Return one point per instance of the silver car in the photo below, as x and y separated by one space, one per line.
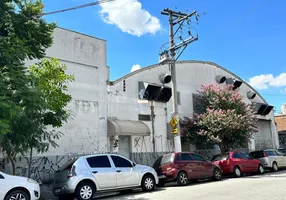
270 158
85 176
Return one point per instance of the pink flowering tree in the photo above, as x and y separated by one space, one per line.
227 121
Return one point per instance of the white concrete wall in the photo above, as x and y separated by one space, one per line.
190 77
85 58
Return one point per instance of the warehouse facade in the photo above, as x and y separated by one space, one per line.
130 115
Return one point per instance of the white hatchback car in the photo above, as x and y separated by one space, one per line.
18 188
87 175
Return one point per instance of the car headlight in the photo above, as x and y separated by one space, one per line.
32 181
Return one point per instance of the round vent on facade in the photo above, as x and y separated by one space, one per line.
165 78
251 95
220 79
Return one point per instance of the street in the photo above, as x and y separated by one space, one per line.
268 186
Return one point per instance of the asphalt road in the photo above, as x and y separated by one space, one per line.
270 186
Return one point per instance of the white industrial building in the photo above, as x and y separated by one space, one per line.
283 109
116 116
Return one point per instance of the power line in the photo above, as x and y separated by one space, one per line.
251 11
248 12
77 7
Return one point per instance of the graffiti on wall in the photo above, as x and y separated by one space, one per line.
143 145
42 168
144 153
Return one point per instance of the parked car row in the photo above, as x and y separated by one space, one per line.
87 175
237 163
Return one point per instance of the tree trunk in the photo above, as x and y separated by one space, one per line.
11 159
30 162
13 167
224 146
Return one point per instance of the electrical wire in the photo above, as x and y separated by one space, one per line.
247 13
77 7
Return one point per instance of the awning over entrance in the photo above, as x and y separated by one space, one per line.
127 127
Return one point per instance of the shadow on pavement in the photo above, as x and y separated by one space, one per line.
200 182
118 196
267 173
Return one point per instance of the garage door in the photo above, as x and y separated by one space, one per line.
263 138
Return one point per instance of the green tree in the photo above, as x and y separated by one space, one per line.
228 120
23 35
43 109
50 81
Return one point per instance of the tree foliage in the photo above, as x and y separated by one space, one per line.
23 34
227 120
35 99
50 80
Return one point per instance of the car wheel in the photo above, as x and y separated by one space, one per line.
148 183
17 194
260 169
85 191
161 183
182 179
274 167
236 172
217 174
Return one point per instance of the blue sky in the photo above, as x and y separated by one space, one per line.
246 37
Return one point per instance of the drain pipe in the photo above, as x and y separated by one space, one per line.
153 125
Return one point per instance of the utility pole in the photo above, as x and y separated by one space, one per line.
176 19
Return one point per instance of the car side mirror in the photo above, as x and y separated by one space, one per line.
134 164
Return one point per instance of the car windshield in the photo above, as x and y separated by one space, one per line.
162 160
168 158
220 157
67 165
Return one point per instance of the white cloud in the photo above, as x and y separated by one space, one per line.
130 17
264 81
261 81
279 81
135 67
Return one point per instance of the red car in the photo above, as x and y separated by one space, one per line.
237 163
185 166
